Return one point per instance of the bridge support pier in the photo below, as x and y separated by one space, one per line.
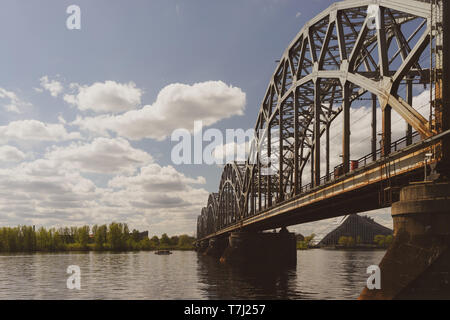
417 264
262 248
202 246
216 247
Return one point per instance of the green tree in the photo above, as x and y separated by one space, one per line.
100 237
29 239
346 241
174 240
114 236
388 240
185 241
358 240
146 244
165 241
135 235
380 240
342 241
350 242
155 239
306 243
83 236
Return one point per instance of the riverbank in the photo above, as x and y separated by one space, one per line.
91 250
76 247
365 248
114 237
338 247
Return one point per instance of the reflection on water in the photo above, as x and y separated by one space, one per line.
245 282
320 274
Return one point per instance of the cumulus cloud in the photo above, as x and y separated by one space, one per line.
102 155
50 192
177 106
231 151
34 130
11 154
106 97
53 86
154 178
14 104
41 191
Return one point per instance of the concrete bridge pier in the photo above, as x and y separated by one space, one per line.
262 248
202 246
216 246
417 264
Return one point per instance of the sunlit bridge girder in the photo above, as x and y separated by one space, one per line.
353 51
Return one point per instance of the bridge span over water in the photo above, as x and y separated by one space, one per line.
358 51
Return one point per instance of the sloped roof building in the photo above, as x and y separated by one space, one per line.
356 226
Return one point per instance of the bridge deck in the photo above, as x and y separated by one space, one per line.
356 191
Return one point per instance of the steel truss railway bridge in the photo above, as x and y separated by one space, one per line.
376 51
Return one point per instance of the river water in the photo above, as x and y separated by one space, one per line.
320 274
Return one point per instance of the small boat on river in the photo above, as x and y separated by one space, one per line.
162 252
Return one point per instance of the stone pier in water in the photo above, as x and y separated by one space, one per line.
417 264
254 247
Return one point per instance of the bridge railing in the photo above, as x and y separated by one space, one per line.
339 172
361 162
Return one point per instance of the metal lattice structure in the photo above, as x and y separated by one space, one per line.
371 50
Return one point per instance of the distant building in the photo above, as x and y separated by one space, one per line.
143 235
299 237
357 227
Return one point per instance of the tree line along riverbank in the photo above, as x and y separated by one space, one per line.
346 242
112 237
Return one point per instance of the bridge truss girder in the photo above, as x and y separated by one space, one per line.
335 59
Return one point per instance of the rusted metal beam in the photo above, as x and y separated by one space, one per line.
280 155
382 45
317 112
386 130
346 127
374 127
409 99
296 146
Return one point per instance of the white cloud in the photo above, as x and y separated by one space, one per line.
231 152
70 99
105 97
50 192
53 86
154 178
298 14
61 119
11 154
177 106
35 130
15 104
12 108
102 155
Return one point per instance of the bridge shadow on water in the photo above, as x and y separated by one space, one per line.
249 281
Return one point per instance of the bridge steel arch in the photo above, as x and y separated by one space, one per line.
353 50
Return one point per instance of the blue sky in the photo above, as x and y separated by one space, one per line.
127 57
152 43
